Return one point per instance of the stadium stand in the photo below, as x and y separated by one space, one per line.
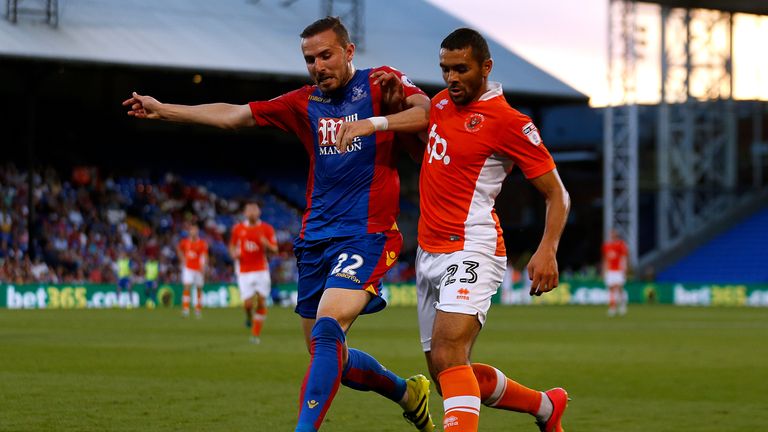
82 223
736 256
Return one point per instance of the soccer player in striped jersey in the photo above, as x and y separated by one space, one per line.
349 236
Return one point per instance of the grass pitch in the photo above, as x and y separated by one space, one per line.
657 369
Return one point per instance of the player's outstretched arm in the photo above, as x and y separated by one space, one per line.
542 269
221 115
410 115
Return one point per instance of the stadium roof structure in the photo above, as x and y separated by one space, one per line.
254 37
737 6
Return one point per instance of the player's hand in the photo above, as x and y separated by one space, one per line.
142 106
542 271
349 131
392 92
235 254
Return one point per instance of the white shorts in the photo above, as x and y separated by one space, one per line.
251 283
191 277
614 277
460 282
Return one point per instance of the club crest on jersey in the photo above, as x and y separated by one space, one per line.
530 131
358 93
474 122
328 130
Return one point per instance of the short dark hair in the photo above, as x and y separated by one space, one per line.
328 23
466 37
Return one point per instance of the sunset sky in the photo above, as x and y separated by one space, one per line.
568 39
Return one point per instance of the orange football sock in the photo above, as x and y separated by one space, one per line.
461 399
498 391
258 321
185 300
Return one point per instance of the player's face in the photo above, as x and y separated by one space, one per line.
465 77
194 232
252 212
328 62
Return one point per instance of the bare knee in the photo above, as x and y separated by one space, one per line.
433 373
452 338
447 353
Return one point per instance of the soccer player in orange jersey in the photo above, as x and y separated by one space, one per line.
475 139
193 253
615 273
249 243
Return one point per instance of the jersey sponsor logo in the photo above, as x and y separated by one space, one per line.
353 278
407 81
437 147
312 403
474 122
315 98
358 93
440 105
327 132
250 246
530 131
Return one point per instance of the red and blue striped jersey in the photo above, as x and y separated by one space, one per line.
347 194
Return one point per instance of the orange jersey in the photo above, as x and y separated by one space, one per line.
470 151
193 252
248 238
614 255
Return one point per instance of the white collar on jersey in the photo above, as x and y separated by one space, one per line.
494 89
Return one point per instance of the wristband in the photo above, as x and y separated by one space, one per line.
379 123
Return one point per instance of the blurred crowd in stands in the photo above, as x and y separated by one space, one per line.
82 220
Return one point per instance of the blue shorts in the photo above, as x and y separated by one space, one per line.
124 283
356 263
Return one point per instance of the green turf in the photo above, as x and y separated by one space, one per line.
658 369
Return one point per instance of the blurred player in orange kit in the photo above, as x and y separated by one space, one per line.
193 253
475 139
249 243
615 273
